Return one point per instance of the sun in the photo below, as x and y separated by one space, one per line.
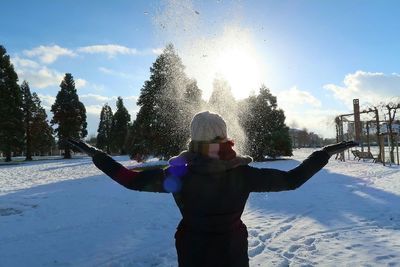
239 65
234 55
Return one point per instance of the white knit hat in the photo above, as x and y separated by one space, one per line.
207 126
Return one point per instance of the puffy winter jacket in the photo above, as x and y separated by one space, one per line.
211 195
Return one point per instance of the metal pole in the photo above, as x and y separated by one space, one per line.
369 147
382 148
342 157
397 148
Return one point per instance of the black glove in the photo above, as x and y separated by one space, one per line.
84 147
339 147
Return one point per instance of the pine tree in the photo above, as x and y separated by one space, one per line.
160 126
222 100
224 103
41 131
29 109
192 104
264 125
120 125
104 129
69 114
11 114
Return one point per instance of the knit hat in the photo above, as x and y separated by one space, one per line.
207 126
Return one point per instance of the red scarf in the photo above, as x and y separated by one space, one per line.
222 150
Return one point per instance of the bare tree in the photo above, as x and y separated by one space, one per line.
391 109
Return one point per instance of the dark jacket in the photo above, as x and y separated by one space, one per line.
211 195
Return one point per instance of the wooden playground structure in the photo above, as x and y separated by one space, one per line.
373 134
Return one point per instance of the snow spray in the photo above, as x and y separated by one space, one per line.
213 51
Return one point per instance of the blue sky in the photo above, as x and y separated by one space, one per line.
315 56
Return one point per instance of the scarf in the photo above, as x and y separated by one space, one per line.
222 150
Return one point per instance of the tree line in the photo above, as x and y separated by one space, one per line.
304 138
23 121
168 100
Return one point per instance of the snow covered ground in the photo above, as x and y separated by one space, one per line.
67 213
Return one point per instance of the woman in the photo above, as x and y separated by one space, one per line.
210 184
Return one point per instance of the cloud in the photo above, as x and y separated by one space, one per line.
47 101
295 97
40 76
93 109
110 49
370 87
93 98
115 73
157 51
80 83
24 63
304 110
48 54
319 121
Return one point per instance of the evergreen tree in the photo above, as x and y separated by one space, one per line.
69 114
104 129
192 94
160 125
41 132
11 114
192 104
224 103
264 125
139 143
28 108
120 123
222 100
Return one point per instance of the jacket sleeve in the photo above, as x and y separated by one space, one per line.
147 180
272 180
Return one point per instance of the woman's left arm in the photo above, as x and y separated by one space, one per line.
272 180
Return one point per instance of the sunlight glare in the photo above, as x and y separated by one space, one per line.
239 66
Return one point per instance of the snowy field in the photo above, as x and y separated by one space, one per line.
67 213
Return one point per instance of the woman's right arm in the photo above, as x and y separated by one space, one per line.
147 180
156 180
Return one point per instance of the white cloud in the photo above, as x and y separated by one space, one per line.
93 109
106 70
110 49
24 63
157 51
47 101
115 73
295 97
305 111
40 76
48 54
319 121
80 83
93 98
370 87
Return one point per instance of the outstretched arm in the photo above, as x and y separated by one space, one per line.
147 180
272 180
